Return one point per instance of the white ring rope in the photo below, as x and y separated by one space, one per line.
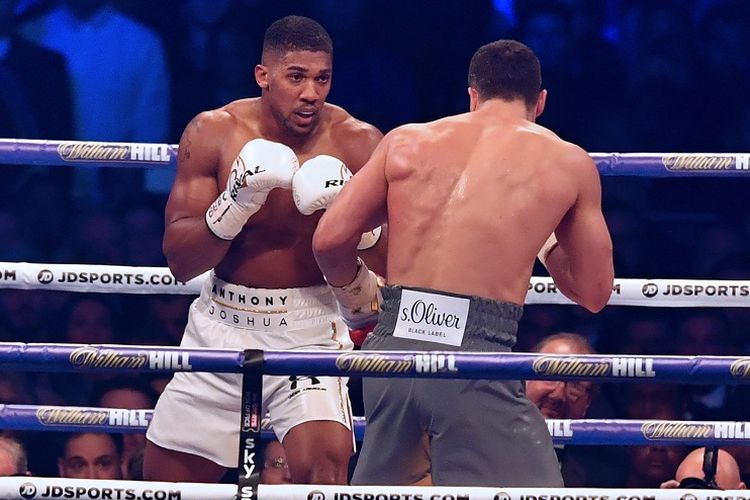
30 488
542 290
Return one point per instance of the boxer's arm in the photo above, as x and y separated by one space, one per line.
372 247
359 207
581 262
194 189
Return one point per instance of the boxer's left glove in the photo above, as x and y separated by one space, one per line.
359 301
316 184
260 167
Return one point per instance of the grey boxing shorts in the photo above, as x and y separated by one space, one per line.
481 432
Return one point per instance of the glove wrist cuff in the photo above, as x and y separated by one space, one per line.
370 238
226 218
547 248
360 292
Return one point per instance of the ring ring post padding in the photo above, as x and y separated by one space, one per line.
251 415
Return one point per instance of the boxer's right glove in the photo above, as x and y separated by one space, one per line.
359 301
547 248
260 167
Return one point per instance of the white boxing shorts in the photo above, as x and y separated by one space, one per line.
199 413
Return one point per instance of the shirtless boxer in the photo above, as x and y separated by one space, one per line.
252 179
470 200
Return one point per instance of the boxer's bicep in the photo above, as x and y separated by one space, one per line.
195 185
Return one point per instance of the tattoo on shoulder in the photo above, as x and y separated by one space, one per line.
185 150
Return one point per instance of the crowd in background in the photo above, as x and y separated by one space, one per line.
622 75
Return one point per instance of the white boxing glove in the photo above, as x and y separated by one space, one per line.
317 182
547 248
260 167
359 301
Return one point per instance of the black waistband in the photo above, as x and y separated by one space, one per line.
487 319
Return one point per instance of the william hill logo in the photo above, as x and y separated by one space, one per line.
102 151
548 365
91 357
676 430
740 368
92 151
47 415
629 366
697 162
358 362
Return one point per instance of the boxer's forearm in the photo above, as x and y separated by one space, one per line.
338 264
587 284
182 238
336 255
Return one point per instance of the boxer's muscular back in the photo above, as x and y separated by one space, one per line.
472 198
274 248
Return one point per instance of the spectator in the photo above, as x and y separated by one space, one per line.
581 466
90 320
725 41
117 66
705 331
693 467
133 394
14 389
85 319
22 316
546 28
31 107
46 208
559 399
658 47
648 400
120 84
132 468
96 238
14 233
142 228
194 43
91 455
650 466
12 458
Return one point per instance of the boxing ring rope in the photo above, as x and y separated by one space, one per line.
563 431
30 357
130 154
59 488
542 290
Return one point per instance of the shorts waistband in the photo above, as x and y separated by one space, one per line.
266 308
487 319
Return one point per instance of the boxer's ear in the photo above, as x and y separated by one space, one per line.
473 99
540 103
261 76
